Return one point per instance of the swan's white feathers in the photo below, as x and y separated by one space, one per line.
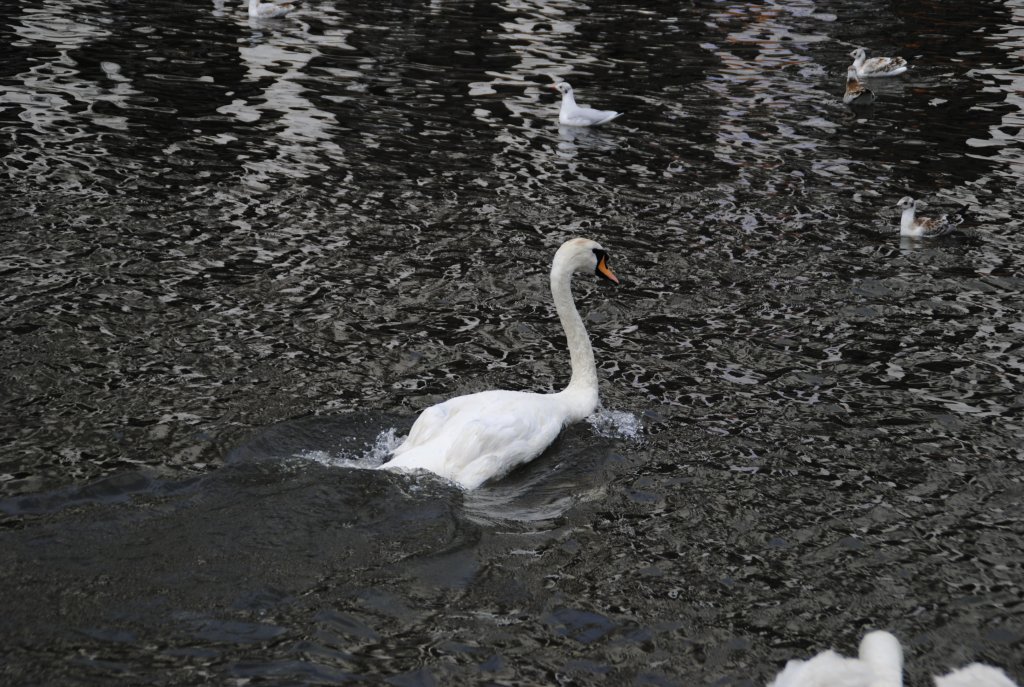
471 439
475 438
975 675
879 664
827 669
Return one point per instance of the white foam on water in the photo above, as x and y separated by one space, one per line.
373 456
615 424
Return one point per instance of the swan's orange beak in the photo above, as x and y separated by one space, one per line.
604 271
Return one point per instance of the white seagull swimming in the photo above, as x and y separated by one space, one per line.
856 92
268 10
922 227
572 114
877 66
475 438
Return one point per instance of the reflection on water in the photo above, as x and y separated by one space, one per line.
240 254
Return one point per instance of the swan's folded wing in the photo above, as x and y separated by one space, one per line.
490 446
428 425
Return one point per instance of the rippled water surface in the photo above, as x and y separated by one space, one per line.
241 256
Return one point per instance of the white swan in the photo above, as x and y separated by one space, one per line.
856 92
475 438
922 227
268 10
975 675
880 664
572 114
877 66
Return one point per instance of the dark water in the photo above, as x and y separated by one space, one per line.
239 258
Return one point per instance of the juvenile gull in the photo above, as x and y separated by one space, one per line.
877 66
856 92
922 227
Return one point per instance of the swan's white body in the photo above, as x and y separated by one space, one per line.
879 664
856 92
922 227
975 675
877 66
572 114
472 439
268 10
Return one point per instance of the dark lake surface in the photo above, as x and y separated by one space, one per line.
240 257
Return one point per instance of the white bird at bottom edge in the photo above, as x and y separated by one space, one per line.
879 664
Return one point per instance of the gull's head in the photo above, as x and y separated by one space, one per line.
906 203
562 87
858 54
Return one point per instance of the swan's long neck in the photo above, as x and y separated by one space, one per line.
907 220
883 653
583 384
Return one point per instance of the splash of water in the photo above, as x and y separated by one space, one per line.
615 424
372 456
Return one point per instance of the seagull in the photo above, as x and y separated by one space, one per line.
922 227
572 114
856 92
268 10
877 66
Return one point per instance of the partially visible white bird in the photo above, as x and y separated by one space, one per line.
856 92
877 66
268 10
975 675
472 439
922 227
879 664
572 114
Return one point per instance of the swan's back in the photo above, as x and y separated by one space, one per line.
475 438
975 675
827 669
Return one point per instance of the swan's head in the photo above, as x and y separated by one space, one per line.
584 255
883 653
906 203
562 87
858 54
